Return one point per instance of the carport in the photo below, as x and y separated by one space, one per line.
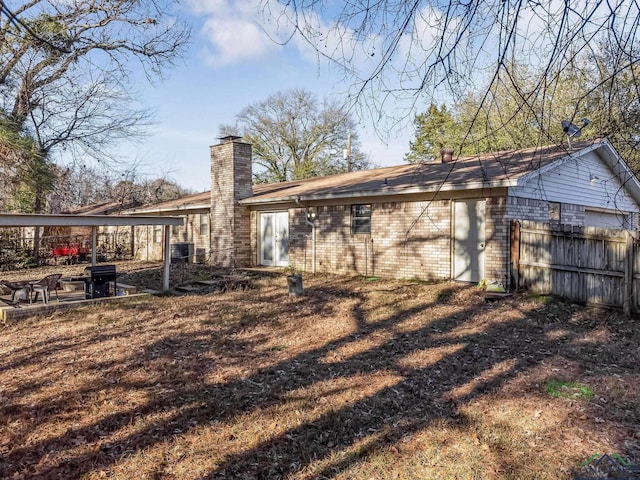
95 221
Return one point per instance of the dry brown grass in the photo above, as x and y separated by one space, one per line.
355 380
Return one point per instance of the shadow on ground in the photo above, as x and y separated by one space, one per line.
353 380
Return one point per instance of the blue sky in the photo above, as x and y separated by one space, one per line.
233 63
230 64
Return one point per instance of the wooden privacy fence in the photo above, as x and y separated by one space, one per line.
584 264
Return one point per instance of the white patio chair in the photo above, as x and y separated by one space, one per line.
45 286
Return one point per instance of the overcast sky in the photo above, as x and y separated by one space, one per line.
232 63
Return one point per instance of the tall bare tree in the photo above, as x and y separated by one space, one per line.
65 66
295 136
65 69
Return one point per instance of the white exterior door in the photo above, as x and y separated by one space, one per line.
468 240
274 239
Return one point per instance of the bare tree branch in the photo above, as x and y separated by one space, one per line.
404 55
65 67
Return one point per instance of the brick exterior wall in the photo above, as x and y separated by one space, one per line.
253 240
538 211
527 209
201 238
230 222
497 240
146 248
571 214
407 240
300 249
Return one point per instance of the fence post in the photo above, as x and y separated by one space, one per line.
515 255
627 301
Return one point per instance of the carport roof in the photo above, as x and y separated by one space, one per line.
43 220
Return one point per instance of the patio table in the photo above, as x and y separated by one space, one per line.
70 284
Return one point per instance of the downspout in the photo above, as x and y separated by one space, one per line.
313 235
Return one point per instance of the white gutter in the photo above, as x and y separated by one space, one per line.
313 236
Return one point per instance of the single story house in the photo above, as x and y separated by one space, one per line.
190 241
431 221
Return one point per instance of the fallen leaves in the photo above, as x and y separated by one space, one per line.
355 380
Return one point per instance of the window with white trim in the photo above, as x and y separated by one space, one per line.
360 219
204 224
157 234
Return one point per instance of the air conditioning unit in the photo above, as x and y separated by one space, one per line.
182 252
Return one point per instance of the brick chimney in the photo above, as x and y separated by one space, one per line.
230 222
446 154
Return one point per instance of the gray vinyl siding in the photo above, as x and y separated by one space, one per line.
584 181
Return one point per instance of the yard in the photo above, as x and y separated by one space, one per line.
356 380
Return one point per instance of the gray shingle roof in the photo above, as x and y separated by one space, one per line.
500 169
196 200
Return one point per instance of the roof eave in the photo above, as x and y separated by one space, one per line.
180 209
383 192
629 180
